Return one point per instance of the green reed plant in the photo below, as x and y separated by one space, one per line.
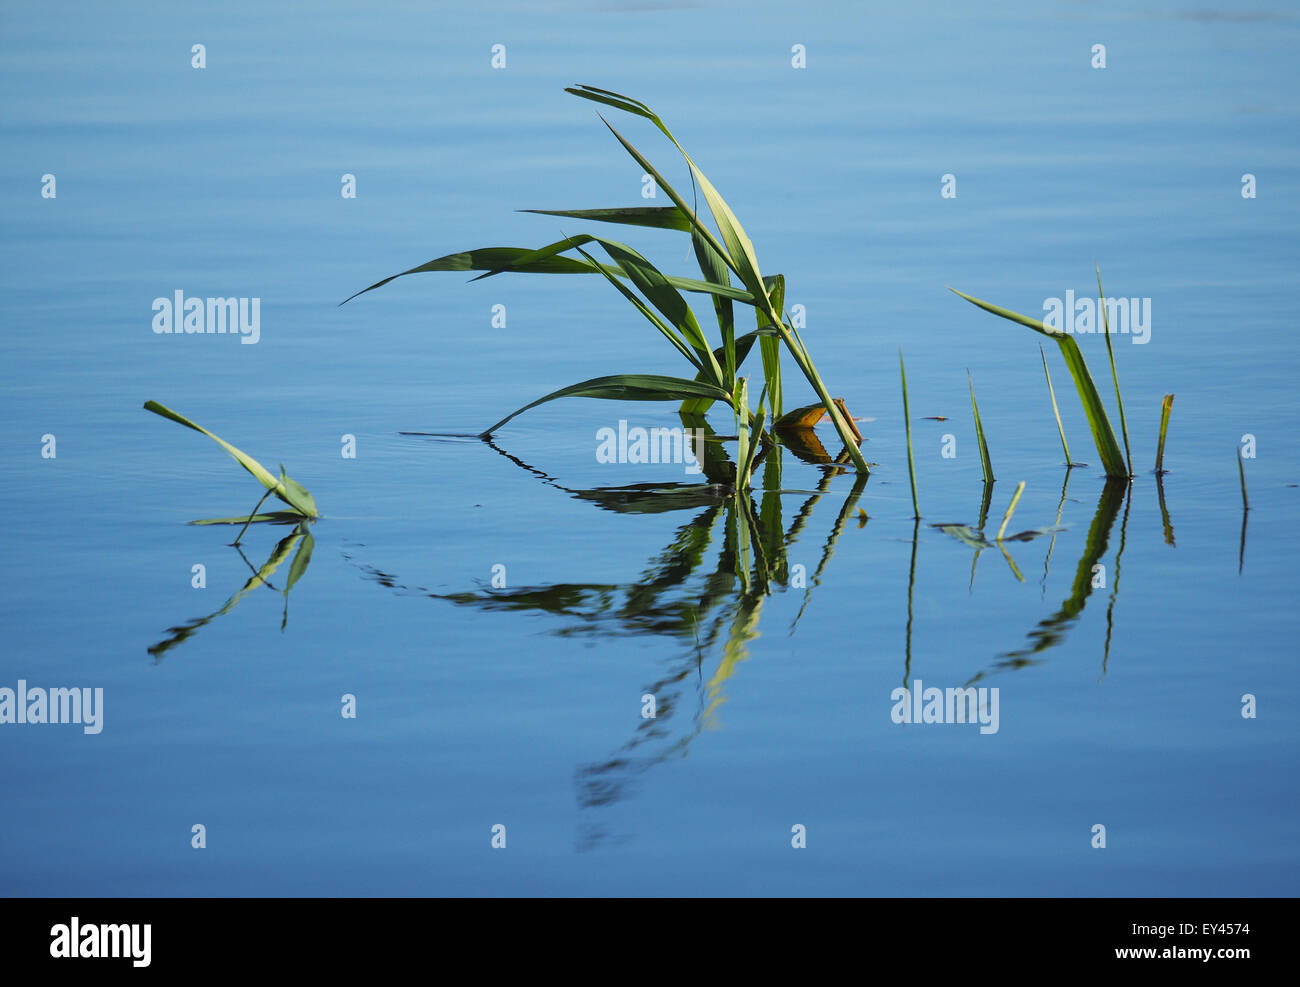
1065 446
1166 406
285 488
1110 353
985 464
907 424
658 297
1103 435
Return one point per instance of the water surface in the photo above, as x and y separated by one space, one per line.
521 705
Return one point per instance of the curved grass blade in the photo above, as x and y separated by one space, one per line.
1103 435
286 489
493 259
626 387
527 259
985 464
1110 353
625 103
652 217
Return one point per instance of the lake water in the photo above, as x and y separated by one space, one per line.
498 612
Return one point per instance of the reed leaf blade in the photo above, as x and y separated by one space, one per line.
985 464
627 387
1112 457
284 488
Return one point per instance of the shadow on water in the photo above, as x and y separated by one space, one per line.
1089 575
300 538
706 589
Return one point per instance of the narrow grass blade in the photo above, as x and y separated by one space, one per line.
679 201
743 452
1011 509
1166 407
530 260
986 501
1065 446
985 464
770 347
1110 353
907 422
287 490
252 514
1112 457
759 441
625 103
543 260
714 270
653 217
626 387
488 259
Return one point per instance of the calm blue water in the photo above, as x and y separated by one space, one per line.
520 704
